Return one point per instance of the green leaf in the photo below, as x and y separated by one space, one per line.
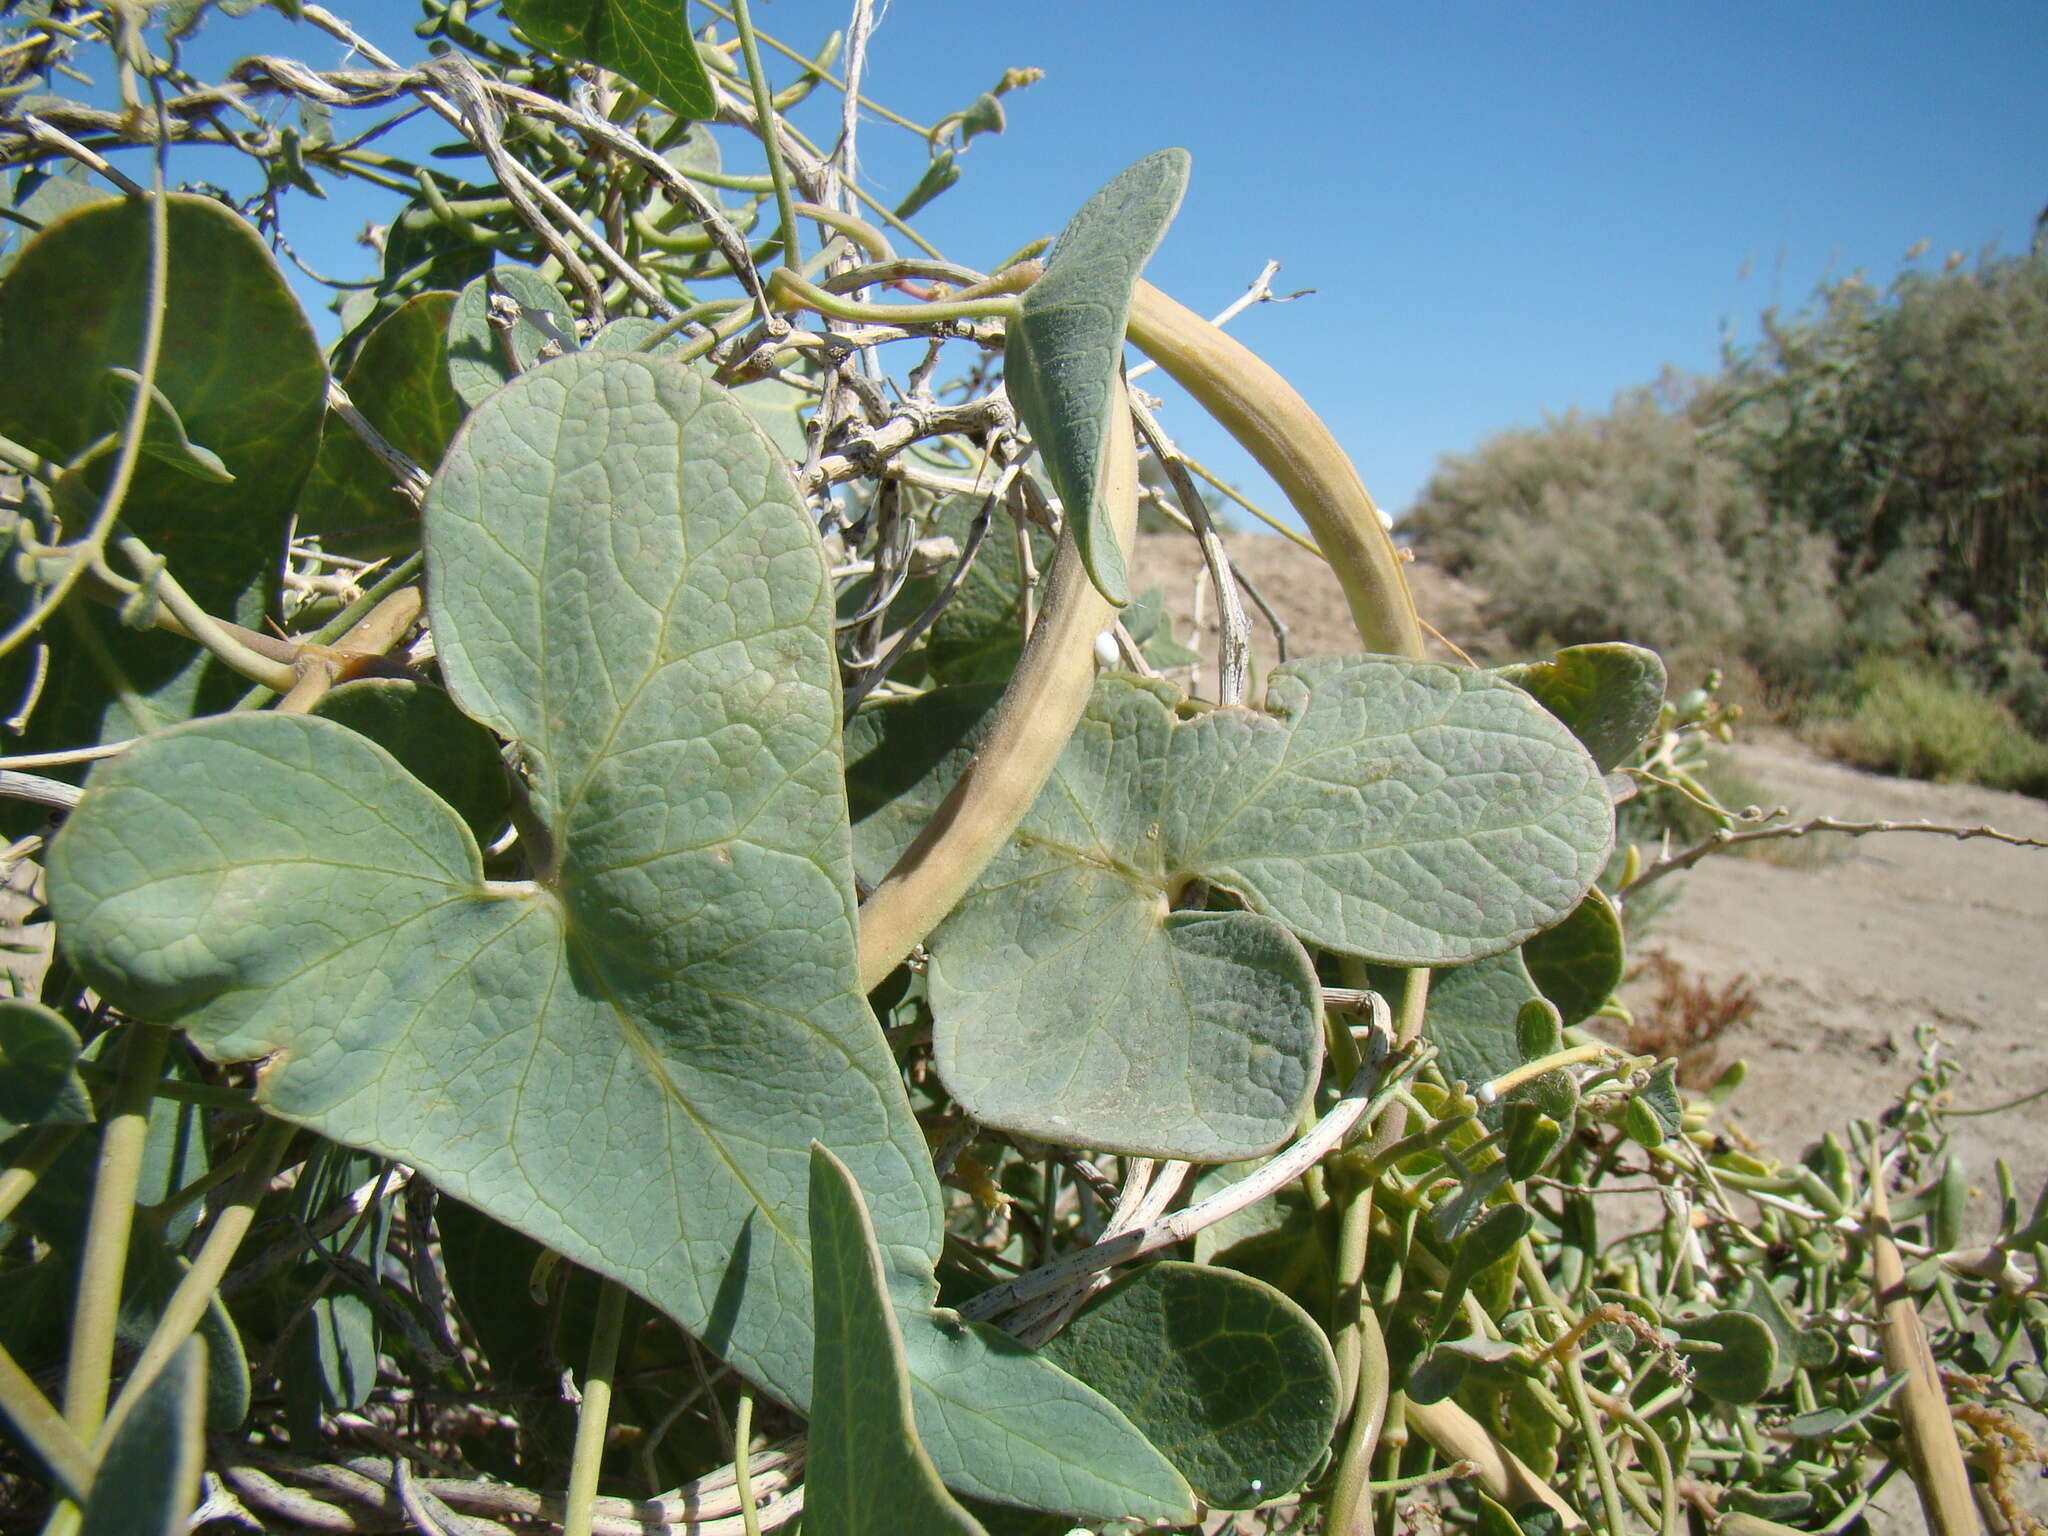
1825 1423
545 327
1067 344
627 1056
439 745
1481 1017
1147 623
42 197
1369 812
242 372
1608 694
1234 1382
1579 963
939 174
647 41
979 635
39 1081
866 1471
399 381
148 1480
1659 1099
1485 1243
1742 1366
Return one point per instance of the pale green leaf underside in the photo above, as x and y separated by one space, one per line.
1063 351
629 1058
865 1474
1399 811
478 364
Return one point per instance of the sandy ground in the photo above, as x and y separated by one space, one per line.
1851 946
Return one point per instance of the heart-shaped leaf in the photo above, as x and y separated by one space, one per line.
865 1473
39 1081
148 1480
1609 694
1395 810
647 41
1066 346
1231 1379
243 375
399 381
628 1055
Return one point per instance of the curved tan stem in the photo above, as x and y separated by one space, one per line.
1502 1475
1262 411
1037 714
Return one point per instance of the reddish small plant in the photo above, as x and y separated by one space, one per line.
1687 1014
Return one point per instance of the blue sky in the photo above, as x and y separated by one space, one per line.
1505 210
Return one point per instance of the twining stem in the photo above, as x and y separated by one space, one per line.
764 110
1575 1389
591 1418
104 1260
789 288
200 1282
1350 1506
85 553
1275 425
1038 712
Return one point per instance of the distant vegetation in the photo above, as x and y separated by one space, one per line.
1853 512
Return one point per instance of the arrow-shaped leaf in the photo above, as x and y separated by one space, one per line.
1064 349
865 1474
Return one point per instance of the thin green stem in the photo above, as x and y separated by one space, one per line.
1671 1512
53 1441
592 1417
826 75
203 628
104 1260
1591 1435
787 288
742 1471
35 1160
764 110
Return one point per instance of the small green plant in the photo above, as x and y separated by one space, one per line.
641 947
1911 718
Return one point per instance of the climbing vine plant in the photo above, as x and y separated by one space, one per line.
642 933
